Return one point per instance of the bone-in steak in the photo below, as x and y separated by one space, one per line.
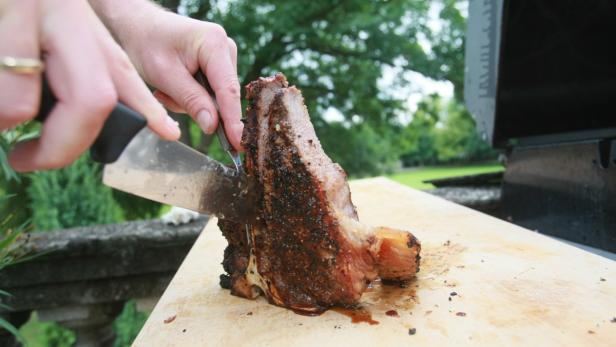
308 250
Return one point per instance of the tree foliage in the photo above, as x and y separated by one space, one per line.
359 149
442 132
457 140
333 50
336 53
447 46
419 136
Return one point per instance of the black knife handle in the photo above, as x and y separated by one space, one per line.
120 127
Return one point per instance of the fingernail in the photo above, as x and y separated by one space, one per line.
204 119
173 126
238 129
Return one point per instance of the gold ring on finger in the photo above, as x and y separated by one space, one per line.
21 65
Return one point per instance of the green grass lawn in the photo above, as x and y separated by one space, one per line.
414 177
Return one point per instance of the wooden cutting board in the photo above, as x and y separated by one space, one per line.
512 287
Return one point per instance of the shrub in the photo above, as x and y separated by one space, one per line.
136 208
11 240
46 334
12 183
55 335
128 324
70 197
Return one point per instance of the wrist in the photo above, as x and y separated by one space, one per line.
126 18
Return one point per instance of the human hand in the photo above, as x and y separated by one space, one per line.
87 71
168 49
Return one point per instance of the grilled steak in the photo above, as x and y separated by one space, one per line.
307 251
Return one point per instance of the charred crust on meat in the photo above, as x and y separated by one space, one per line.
302 217
225 281
412 241
417 261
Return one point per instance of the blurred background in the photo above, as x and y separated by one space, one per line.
383 82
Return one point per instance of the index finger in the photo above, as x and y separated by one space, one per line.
222 76
73 60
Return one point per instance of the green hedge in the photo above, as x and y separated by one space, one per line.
71 197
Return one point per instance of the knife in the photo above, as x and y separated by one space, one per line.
138 162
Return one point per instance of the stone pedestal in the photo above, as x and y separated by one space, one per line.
91 323
85 275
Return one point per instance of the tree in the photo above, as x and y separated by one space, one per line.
359 149
419 135
447 56
334 51
457 140
442 132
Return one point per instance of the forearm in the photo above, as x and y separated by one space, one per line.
123 17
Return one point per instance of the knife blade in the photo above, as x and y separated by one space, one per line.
140 163
173 173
